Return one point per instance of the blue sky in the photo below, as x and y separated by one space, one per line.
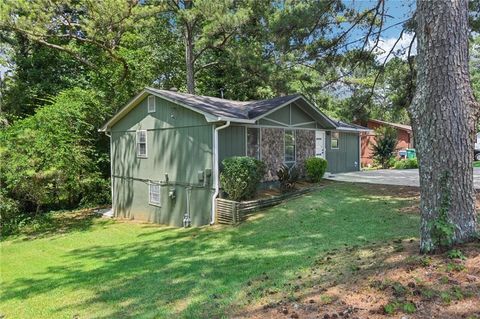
396 12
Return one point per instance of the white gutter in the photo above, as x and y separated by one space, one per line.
216 183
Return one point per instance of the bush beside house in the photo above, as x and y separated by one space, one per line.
315 168
241 176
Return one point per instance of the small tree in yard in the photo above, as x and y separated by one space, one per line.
386 143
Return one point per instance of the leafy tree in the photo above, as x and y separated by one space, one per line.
385 145
52 162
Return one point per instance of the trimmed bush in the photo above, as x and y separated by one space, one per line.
288 177
315 167
408 163
241 176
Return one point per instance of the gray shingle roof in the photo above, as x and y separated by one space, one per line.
216 109
226 108
341 124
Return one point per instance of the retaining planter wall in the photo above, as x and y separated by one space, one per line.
231 212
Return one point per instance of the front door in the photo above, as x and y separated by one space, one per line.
320 144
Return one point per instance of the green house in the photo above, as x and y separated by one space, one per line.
167 147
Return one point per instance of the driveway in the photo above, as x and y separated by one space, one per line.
403 177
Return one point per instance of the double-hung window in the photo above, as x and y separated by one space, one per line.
334 140
253 142
154 194
290 145
151 104
141 143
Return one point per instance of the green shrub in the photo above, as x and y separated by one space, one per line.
241 176
408 163
315 167
10 216
288 177
386 142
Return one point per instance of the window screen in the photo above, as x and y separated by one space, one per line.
142 143
334 139
289 146
154 194
151 104
253 142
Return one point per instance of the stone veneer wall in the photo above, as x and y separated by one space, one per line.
305 142
271 150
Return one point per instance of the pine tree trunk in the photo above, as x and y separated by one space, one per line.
443 119
190 60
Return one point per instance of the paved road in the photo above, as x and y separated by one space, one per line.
404 177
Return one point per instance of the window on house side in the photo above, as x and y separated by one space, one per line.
334 140
151 104
289 146
253 142
154 194
142 143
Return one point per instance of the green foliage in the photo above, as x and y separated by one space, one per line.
288 176
386 142
51 155
315 168
240 176
396 305
408 163
456 254
441 228
409 307
10 216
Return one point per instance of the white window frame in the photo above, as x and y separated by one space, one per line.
259 156
137 143
151 187
151 104
294 146
337 138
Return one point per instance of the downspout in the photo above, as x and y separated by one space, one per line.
216 183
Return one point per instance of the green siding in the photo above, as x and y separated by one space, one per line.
298 116
289 115
346 157
281 115
179 143
231 142
166 115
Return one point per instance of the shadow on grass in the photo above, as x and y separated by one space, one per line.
59 222
202 272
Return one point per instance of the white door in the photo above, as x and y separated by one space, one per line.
320 144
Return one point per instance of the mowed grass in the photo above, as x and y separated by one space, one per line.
118 269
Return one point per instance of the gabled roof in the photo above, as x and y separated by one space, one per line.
217 110
400 126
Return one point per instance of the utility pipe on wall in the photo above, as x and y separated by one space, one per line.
216 183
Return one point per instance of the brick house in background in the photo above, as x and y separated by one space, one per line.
404 139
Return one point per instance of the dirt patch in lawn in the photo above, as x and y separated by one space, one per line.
380 281
383 280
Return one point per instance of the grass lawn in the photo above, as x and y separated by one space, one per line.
122 269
